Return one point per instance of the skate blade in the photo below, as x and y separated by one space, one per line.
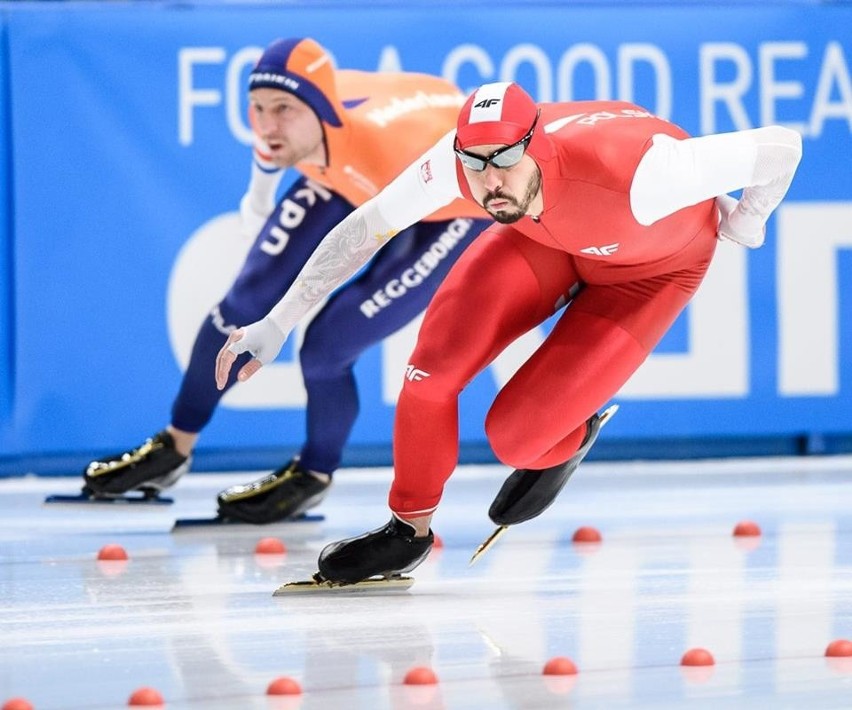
218 522
373 584
485 546
608 413
127 499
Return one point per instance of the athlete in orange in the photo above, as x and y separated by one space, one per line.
598 205
348 133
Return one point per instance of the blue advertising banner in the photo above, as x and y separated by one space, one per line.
130 155
6 286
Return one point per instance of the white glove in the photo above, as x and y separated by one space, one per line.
779 151
730 224
262 339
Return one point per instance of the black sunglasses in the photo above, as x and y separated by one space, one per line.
502 158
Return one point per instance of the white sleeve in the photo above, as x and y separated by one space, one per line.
423 187
264 181
426 185
258 202
674 174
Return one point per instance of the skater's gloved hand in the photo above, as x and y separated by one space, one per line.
262 339
734 228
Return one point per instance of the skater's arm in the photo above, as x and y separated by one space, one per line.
674 174
345 249
259 200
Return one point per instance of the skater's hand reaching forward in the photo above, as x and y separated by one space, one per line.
263 340
727 225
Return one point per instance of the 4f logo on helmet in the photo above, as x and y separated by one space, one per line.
486 103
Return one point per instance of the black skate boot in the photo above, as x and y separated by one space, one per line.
527 492
282 495
150 468
387 552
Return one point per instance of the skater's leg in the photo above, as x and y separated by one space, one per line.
545 421
539 417
502 286
517 284
299 223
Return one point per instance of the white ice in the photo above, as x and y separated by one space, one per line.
192 615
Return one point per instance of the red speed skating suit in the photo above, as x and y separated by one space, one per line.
627 232
631 282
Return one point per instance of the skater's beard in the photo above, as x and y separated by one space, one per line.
520 207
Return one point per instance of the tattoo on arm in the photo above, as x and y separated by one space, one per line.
344 250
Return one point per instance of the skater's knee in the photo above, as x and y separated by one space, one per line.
513 437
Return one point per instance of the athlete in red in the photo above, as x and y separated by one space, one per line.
598 205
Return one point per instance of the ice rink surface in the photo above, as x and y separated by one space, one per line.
191 613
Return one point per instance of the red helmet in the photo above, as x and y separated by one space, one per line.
501 113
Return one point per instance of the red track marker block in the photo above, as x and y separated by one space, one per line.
17 704
146 697
420 675
841 648
284 686
587 534
697 657
270 546
747 528
559 665
112 553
